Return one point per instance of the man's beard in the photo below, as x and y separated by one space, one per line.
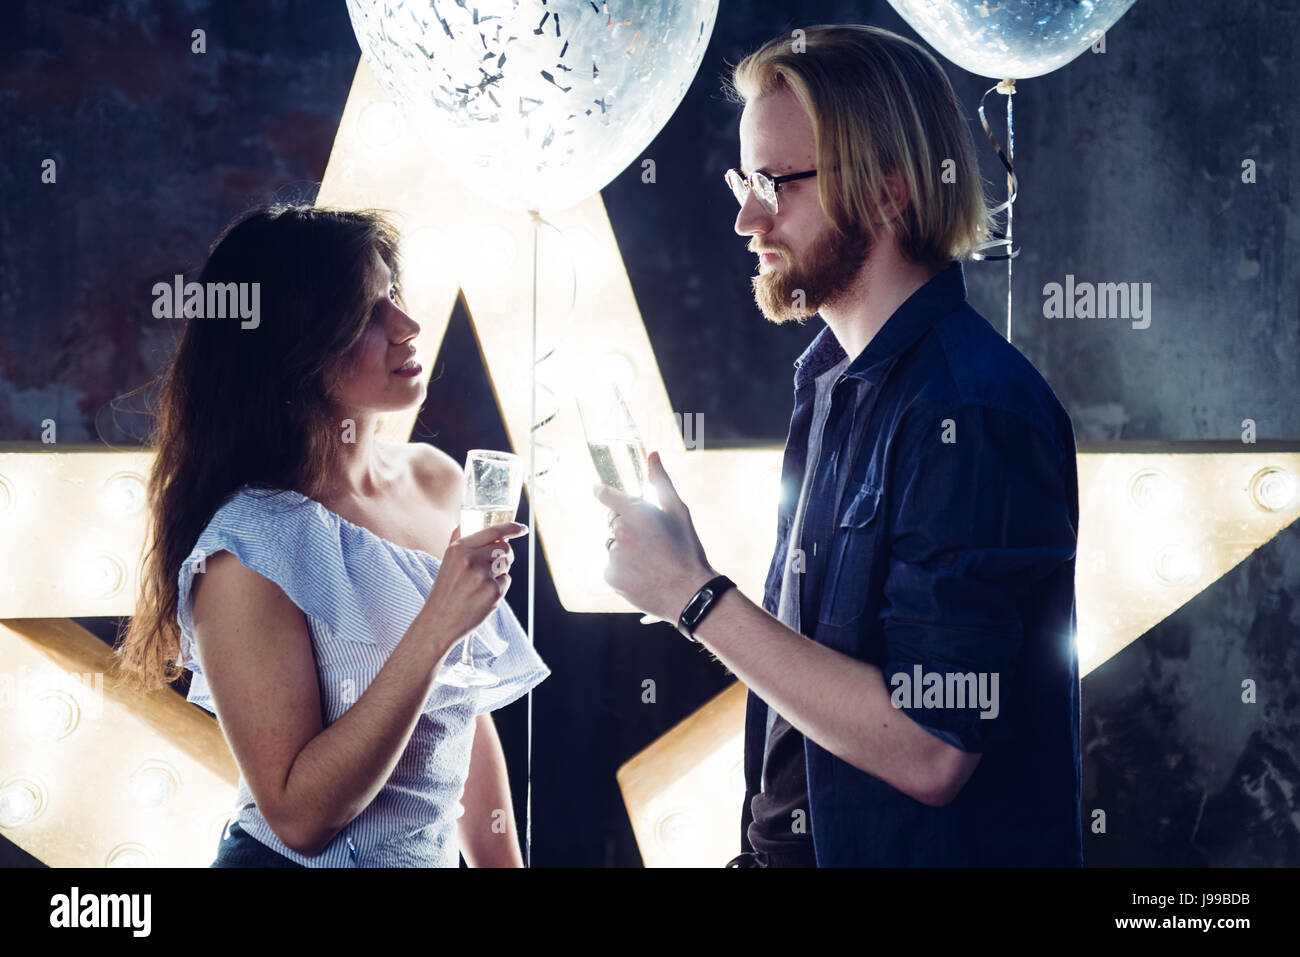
822 276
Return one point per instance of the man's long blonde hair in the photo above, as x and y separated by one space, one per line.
880 103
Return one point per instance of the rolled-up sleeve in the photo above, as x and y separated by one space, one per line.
980 516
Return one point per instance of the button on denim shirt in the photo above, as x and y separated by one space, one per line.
947 562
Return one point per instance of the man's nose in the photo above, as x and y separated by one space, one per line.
752 219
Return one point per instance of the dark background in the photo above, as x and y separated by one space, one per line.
1129 166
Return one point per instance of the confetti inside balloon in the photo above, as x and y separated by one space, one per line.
535 104
1011 39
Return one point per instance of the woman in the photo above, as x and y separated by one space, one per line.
312 578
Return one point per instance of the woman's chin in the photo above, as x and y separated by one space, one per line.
414 401
391 402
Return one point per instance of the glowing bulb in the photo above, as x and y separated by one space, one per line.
129 855
1177 565
21 799
1274 489
54 715
102 576
423 246
125 493
1153 491
154 784
201 821
675 828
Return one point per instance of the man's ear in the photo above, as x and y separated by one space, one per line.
896 189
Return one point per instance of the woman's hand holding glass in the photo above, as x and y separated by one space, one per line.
490 498
473 579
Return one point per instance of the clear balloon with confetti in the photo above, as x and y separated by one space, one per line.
1011 39
535 105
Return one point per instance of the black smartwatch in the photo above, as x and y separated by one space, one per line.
700 605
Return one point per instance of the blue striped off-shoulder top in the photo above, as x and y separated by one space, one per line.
360 593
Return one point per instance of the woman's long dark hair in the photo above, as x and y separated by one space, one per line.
251 406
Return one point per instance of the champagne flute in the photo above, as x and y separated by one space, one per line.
615 445
493 481
613 440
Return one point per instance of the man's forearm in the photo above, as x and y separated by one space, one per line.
487 830
839 702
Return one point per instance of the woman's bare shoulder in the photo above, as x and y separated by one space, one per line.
434 471
236 591
427 461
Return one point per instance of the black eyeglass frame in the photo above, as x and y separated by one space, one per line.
776 181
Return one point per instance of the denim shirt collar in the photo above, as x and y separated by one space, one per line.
943 293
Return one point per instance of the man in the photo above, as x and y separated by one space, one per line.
929 506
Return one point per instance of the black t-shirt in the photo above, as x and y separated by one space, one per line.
781 825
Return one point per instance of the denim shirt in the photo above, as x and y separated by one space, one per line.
948 560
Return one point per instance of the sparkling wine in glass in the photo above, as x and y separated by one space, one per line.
475 518
615 446
613 440
493 481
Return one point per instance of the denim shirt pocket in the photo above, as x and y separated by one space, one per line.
845 597
862 509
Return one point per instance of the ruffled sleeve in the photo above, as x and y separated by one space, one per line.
517 665
359 593
266 533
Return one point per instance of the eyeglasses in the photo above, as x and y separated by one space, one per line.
765 187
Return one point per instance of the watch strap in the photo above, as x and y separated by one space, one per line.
701 604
